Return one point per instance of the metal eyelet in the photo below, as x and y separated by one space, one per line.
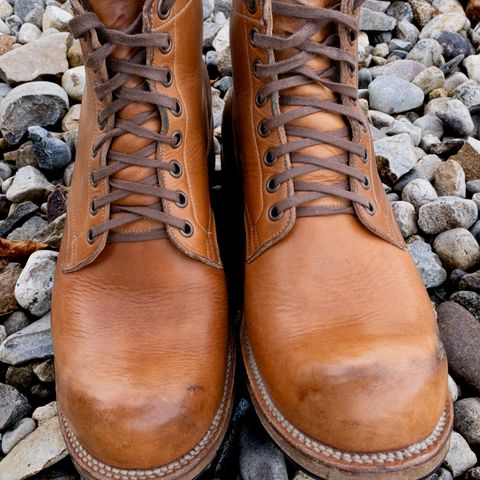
93 208
371 210
260 100
93 150
263 131
93 181
274 214
178 137
252 6
100 124
251 36
90 237
168 78
351 69
271 185
177 169
352 37
187 230
163 14
254 67
178 109
366 183
365 157
182 200
269 159
169 46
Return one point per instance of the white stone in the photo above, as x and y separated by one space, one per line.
459 457
55 17
73 82
29 33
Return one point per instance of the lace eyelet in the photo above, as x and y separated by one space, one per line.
93 181
169 45
90 237
162 14
178 109
271 185
274 214
252 6
168 78
100 124
254 67
187 230
93 208
263 131
93 150
182 200
371 210
260 100
177 169
365 157
366 183
268 158
351 69
251 36
178 138
352 37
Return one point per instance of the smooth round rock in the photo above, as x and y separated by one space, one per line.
457 248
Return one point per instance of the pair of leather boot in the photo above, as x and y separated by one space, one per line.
339 337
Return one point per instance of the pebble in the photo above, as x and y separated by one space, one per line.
453 44
391 94
400 11
35 284
395 156
452 387
8 280
430 79
467 419
427 166
472 65
31 343
31 104
44 56
422 11
371 20
430 125
457 248
468 93
468 300
419 192
450 179
428 264
454 80
30 229
221 44
42 448
29 184
51 153
15 322
14 23
29 33
402 69
73 81
428 52
23 7
451 22
469 159
459 457
45 371
407 31
5 9
406 218
13 406
71 120
17 217
404 126
56 17
456 117
20 430
44 413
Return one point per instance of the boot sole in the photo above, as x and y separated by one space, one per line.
414 462
188 467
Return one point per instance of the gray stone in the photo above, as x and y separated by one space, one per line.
55 17
430 125
450 22
454 80
407 31
13 406
395 156
400 11
406 218
390 94
467 419
17 217
459 457
428 264
23 7
44 413
379 119
34 287
32 227
428 52
419 192
451 65
29 184
473 186
14 22
430 79
45 371
404 126
39 450
453 44
456 117
457 248
221 44
450 180
35 16
15 322
31 343
20 430
31 104
472 65
468 93
5 171
403 69
371 20
468 300
45 56
50 151
427 166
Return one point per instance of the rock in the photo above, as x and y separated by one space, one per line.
45 371
450 179
55 17
403 69
459 457
430 79
473 474
456 117
427 166
468 300
454 80
470 281
428 52
22 378
52 235
6 44
14 23
23 156
34 287
42 448
406 218
29 184
404 126
418 192
32 227
428 264
472 65
17 217
42 414
31 104
422 11
407 31
71 120
468 93
23 7
452 388
20 430
73 82
221 44
457 248
473 186
430 125
390 94
302 476
371 20
8 279
399 10
453 44
450 22
5 171
258 459
467 419
45 56
13 406
56 205
74 55
452 64
395 156
5 9
31 343
35 16
50 151
15 322
29 33
469 159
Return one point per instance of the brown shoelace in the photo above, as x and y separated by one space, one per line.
119 72
294 72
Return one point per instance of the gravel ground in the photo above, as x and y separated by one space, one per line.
419 82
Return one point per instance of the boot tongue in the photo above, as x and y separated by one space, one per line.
120 16
324 122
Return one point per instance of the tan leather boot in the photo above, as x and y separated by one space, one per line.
144 363
340 341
